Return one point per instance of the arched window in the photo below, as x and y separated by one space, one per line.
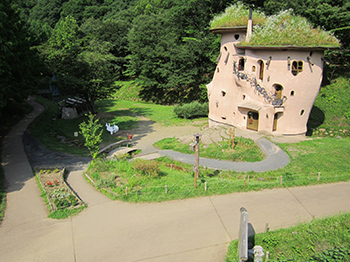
261 70
241 63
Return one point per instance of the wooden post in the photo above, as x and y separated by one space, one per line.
232 138
126 190
281 180
319 177
248 178
166 189
243 236
196 174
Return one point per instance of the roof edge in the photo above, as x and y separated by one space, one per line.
286 47
226 30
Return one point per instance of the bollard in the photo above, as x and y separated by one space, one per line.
243 236
266 226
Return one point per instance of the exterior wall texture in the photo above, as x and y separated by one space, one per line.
268 90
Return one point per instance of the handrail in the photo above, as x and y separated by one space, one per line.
116 143
269 98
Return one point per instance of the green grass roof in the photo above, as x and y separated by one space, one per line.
236 15
283 29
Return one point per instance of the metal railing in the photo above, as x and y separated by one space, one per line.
269 97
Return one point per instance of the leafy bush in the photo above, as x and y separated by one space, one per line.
191 110
146 167
90 132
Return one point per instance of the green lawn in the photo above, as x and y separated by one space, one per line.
245 150
125 113
312 162
49 128
326 240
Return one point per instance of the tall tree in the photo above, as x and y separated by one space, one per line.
172 49
16 59
80 58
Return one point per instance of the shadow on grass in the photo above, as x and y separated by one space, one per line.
108 105
316 119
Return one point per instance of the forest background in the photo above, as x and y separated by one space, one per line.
163 45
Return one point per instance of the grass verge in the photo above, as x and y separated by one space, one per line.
325 239
2 192
312 162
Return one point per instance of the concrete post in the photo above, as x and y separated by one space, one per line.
243 236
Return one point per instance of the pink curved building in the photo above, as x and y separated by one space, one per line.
266 89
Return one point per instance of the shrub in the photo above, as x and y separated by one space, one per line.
191 110
92 135
146 167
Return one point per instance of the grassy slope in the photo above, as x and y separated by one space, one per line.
326 239
330 115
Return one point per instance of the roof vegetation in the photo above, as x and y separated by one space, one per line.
283 29
236 15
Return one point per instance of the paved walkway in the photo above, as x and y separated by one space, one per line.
187 230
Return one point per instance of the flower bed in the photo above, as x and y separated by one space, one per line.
58 193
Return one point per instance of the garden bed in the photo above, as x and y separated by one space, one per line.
58 193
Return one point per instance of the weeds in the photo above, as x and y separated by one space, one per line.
287 29
236 15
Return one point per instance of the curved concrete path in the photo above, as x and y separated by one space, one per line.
187 230
275 159
149 132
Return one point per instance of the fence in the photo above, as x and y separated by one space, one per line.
221 186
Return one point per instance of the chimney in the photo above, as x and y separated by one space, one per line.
250 26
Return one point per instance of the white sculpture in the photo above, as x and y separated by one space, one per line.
112 129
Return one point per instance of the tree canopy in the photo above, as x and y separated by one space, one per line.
17 60
164 44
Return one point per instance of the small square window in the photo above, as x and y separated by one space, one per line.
297 67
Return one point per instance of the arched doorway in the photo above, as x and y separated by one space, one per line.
253 120
278 90
275 120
